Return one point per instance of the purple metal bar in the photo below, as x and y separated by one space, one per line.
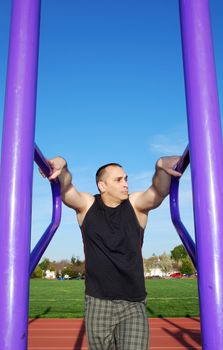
56 216
17 173
206 158
41 161
174 208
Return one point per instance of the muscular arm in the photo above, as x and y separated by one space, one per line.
80 201
155 194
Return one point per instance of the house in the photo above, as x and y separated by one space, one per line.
50 275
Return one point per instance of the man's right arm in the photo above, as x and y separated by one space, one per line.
80 201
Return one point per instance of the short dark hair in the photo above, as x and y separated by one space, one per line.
101 170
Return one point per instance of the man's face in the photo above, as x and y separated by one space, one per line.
114 183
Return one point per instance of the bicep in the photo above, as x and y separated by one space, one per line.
146 201
76 200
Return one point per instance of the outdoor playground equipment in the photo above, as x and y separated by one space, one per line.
206 153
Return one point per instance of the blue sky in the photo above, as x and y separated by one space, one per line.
110 88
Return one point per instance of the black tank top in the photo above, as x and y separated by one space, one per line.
113 240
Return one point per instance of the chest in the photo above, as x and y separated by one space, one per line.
116 229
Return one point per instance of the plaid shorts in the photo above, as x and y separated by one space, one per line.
116 324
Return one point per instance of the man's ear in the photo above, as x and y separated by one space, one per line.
101 186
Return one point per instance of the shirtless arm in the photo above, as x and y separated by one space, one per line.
80 201
143 202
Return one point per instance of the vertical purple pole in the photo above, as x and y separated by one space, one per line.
206 154
17 173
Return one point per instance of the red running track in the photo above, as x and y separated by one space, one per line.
69 334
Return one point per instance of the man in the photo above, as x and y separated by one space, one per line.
112 225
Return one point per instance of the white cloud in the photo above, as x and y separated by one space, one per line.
171 143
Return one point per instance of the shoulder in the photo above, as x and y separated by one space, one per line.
135 199
90 200
141 214
146 201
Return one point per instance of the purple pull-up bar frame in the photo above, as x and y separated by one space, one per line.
17 173
206 159
174 208
56 215
17 176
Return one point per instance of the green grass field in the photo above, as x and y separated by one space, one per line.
65 299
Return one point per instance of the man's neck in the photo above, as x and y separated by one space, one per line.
110 201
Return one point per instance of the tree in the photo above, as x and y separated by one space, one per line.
45 264
37 273
59 265
78 266
68 270
187 266
179 253
165 263
182 260
151 263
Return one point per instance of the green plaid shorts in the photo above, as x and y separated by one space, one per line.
116 324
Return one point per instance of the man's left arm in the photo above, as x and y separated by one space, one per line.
150 199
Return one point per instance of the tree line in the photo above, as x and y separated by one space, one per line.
177 260
72 268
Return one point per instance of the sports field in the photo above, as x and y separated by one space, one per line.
65 299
